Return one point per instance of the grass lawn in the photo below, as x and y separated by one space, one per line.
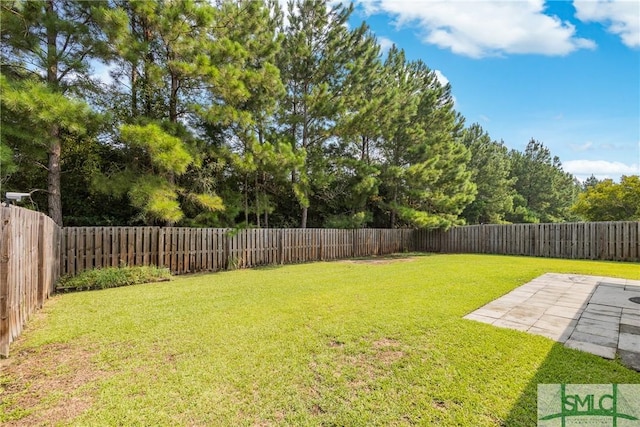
339 343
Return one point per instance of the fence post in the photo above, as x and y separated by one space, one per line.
41 263
160 239
353 243
281 246
226 247
5 248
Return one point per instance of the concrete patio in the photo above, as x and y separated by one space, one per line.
588 313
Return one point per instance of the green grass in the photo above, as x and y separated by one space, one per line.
339 343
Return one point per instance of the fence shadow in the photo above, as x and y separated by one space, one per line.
583 368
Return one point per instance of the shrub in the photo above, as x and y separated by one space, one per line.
111 277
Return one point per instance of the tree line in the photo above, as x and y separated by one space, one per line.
236 113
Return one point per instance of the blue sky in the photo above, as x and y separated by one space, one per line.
566 73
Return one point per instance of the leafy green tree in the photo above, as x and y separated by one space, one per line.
490 167
545 192
425 182
610 201
313 64
52 41
7 163
360 128
255 154
29 109
592 181
194 82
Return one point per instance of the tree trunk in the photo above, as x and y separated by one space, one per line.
303 223
173 99
134 90
393 209
364 154
246 200
146 84
53 178
257 200
134 73
257 187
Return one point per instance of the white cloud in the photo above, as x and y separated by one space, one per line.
582 147
583 169
385 44
621 16
442 79
485 28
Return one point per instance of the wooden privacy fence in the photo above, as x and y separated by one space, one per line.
34 251
29 268
616 241
190 250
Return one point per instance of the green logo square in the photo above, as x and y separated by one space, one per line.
565 405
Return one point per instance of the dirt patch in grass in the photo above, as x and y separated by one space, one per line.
388 350
385 342
50 385
388 357
439 404
336 344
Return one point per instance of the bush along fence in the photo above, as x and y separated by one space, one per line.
29 268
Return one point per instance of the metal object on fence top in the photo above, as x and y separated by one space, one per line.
16 197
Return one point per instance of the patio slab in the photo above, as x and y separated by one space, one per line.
588 313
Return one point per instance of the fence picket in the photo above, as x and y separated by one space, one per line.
30 263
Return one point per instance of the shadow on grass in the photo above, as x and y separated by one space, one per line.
566 366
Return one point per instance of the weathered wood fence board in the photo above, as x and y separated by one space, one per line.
189 250
615 241
29 267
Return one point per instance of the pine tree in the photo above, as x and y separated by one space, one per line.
426 183
255 156
490 166
199 78
313 64
360 128
400 134
545 192
52 41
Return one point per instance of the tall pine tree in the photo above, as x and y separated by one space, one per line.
313 64
53 42
490 167
545 192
